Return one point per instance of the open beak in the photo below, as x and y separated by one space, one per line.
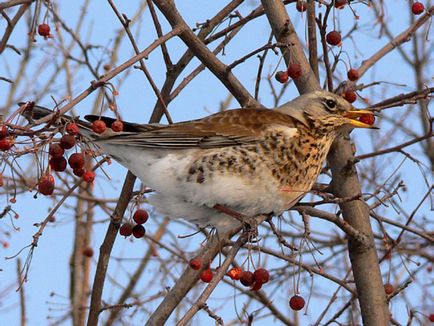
366 121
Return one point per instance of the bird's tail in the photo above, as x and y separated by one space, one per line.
34 112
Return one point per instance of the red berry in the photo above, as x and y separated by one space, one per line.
58 163
72 128
247 278
301 6
417 8
296 302
78 172
195 264
46 185
76 160
55 150
6 143
257 286
67 141
350 96
206 275
99 126
369 119
281 76
261 275
431 318
340 4
88 252
89 176
140 216
44 30
294 70
126 230
388 288
138 231
353 74
235 273
117 126
333 38
4 132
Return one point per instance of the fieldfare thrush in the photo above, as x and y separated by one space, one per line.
251 160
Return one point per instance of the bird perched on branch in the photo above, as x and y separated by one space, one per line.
252 161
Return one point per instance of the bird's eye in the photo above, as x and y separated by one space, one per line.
331 104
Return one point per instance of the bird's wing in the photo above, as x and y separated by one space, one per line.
228 128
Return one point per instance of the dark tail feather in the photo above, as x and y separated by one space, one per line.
35 112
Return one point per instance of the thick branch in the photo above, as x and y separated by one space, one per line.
202 52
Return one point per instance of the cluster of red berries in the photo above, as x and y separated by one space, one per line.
58 161
99 126
294 71
254 279
6 141
140 217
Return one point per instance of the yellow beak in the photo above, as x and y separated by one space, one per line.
354 114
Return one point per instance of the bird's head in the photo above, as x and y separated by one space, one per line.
325 110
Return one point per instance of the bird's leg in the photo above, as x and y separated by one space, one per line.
249 223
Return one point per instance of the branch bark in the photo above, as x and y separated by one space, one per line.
201 51
363 255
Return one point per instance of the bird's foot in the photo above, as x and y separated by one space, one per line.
250 224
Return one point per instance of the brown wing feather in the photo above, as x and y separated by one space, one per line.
228 128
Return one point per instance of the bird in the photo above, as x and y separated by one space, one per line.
250 160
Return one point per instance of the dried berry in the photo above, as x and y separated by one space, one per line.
294 70
353 74
296 302
44 30
72 128
369 119
46 185
247 278
6 143
89 176
417 8
126 230
301 6
235 273
58 163
138 231
388 288
195 263
140 216
261 275
281 76
350 96
55 150
117 126
333 38
76 160
99 126
78 172
4 132
88 252
67 141
207 275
